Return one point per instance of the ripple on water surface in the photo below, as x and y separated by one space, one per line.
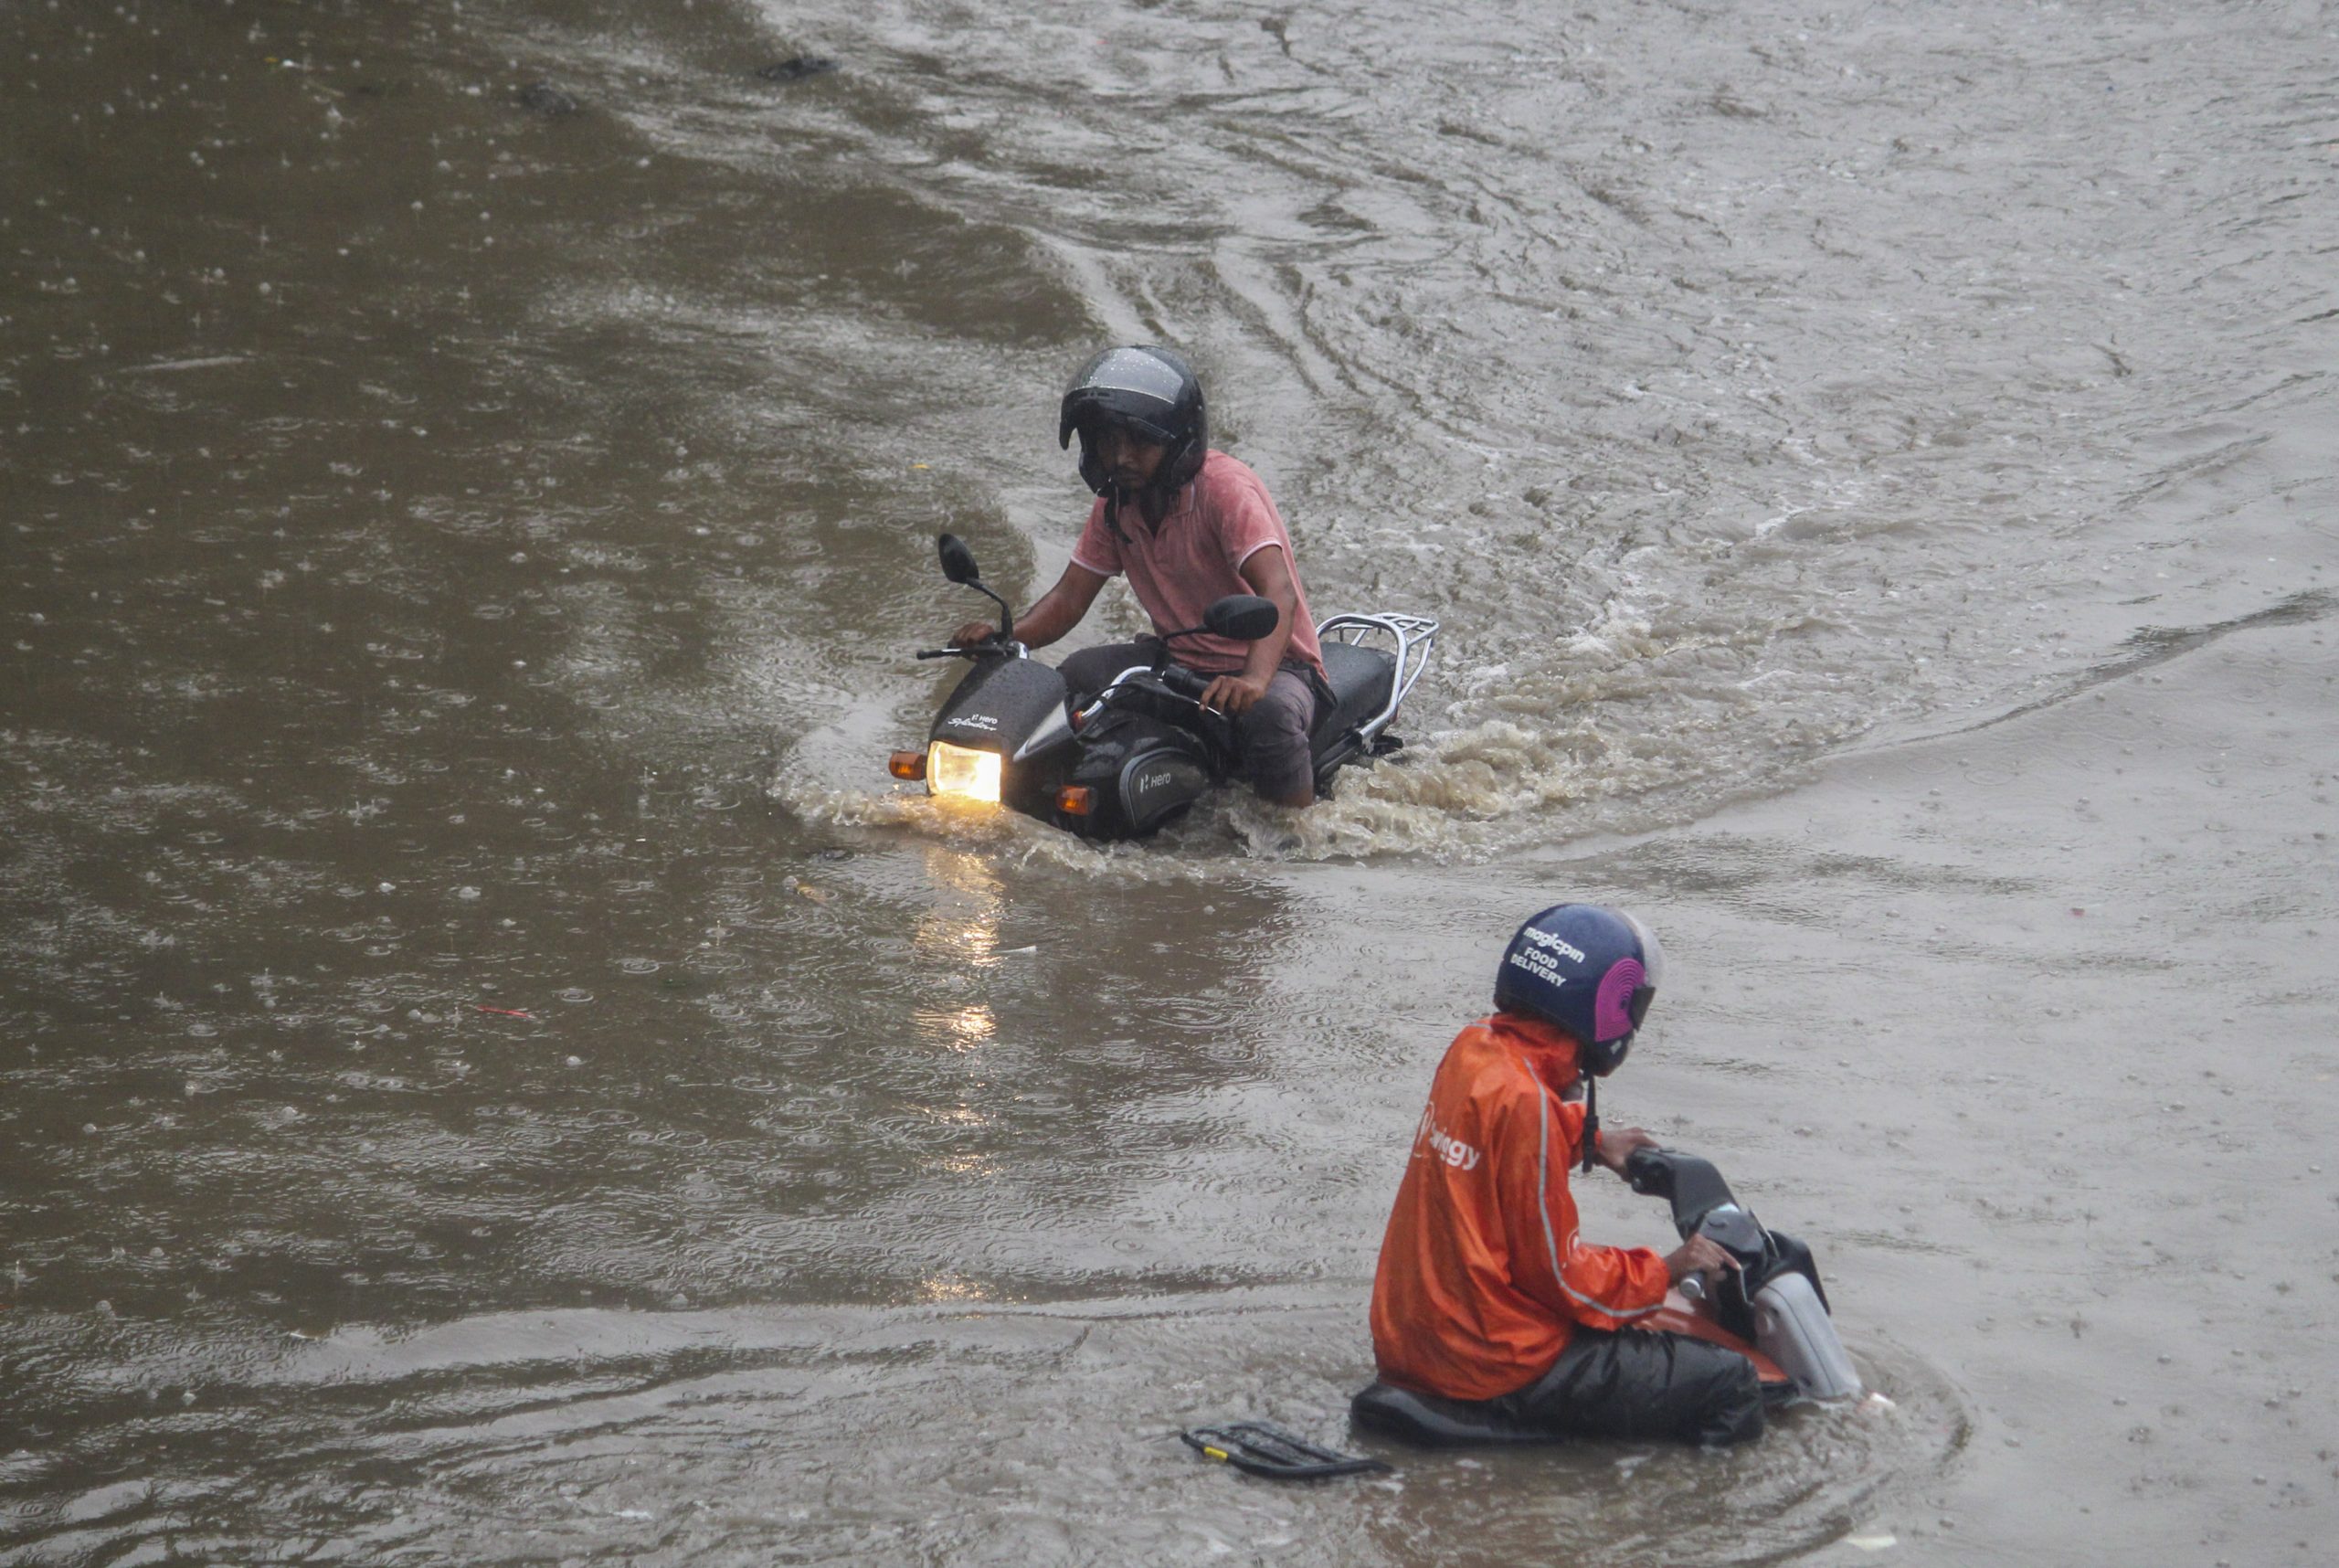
978 1433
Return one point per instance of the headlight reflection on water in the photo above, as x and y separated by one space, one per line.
948 932
956 1029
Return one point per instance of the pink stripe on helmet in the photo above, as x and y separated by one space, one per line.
1611 1004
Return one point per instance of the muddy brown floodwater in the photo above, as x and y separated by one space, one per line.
492 1071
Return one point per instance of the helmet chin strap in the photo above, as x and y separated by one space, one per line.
1591 1119
1152 503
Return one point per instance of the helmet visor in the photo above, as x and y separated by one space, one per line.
1093 416
1136 374
1131 387
1652 969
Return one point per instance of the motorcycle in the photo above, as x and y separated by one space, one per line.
1137 754
1771 1308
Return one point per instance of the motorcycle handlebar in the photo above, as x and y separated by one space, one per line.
1184 681
988 646
1647 1172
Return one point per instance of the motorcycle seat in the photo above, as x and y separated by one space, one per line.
1435 1423
1362 679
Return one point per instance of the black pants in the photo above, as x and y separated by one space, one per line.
1636 1384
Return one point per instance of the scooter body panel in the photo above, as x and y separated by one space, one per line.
1159 784
1791 1326
1142 773
997 704
1679 1315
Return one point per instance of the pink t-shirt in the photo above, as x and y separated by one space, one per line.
1216 523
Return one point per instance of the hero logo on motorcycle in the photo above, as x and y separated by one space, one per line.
980 721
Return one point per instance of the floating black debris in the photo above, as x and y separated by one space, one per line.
795 68
1262 1449
543 98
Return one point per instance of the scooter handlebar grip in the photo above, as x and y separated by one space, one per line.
1647 1173
1184 681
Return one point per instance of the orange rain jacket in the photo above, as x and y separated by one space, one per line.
1482 1275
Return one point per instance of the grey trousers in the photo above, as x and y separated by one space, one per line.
1271 738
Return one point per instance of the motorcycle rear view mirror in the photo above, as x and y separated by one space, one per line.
1243 617
958 566
958 561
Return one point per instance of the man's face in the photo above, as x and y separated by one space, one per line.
1131 461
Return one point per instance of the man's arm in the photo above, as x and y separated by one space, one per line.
1058 611
1269 575
1600 1286
1614 1147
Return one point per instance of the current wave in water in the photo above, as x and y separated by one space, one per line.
968 1431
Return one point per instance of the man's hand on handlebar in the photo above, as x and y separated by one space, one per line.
973 633
1618 1144
1696 1256
1231 695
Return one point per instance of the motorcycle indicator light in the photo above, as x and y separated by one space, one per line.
910 765
1075 799
962 772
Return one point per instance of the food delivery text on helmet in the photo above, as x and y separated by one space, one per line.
1550 944
1537 959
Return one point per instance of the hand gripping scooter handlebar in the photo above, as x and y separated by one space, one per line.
1773 1296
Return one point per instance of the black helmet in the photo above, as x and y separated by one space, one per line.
1153 392
1591 970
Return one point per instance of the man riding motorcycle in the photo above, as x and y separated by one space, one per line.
1189 525
1484 1293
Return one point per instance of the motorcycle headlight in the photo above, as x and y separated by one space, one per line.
962 772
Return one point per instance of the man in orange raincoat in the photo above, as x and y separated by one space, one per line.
1485 1294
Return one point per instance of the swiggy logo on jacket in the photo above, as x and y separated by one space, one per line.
1443 1145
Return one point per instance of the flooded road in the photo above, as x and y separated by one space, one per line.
493 1071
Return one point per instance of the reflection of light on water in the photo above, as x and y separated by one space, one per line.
973 939
962 873
955 1028
961 934
955 1116
1001 836
950 1287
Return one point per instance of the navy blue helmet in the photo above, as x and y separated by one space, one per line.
1587 969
